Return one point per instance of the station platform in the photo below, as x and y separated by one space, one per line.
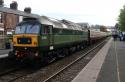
3 56
108 65
4 53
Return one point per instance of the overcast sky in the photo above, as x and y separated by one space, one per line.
103 12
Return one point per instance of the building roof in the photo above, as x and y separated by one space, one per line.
17 12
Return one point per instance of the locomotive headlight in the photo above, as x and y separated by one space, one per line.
14 42
35 42
36 54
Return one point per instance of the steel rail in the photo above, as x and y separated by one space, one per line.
7 72
58 72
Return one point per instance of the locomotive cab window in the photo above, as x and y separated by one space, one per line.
46 29
28 28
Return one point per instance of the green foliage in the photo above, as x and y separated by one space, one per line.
121 19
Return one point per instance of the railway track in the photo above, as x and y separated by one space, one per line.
19 74
12 74
69 65
8 73
53 70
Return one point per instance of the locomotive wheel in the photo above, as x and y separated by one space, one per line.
61 53
78 48
66 51
36 64
11 56
49 57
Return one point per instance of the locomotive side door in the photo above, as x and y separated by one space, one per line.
47 36
51 40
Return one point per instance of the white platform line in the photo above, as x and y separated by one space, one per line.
117 62
4 55
92 69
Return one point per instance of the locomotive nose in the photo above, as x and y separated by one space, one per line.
27 40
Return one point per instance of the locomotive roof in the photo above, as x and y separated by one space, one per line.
71 25
64 24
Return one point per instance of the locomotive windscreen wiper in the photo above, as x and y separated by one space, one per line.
27 28
34 28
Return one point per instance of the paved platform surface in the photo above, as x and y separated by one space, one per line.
91 71
107 66
3 56
4 53
113 69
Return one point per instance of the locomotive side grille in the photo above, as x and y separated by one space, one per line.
24 40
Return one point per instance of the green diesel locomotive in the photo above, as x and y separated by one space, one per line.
45 39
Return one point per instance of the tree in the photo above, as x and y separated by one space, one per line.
121 19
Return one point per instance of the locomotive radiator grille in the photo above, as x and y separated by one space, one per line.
24 40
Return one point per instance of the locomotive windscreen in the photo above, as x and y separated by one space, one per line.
28 28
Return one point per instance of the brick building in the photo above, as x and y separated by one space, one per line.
8 21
